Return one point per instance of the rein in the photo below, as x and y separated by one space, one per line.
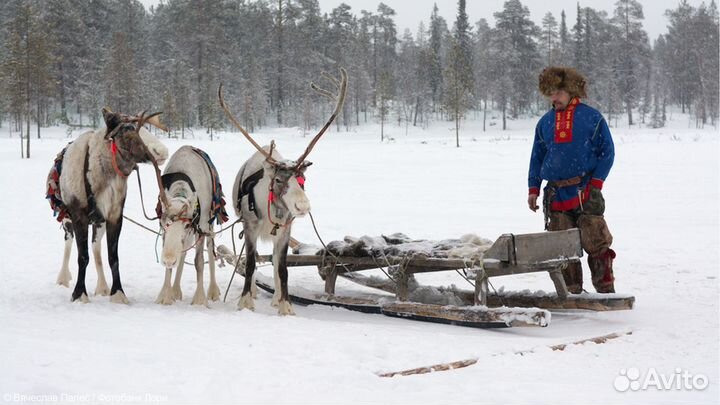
113 153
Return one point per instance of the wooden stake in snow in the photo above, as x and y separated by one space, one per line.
469 362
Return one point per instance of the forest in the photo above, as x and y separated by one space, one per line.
61 61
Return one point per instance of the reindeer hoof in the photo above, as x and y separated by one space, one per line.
64 278
119 298
165 297
83 298
199 299
285 308
246 301
102 290
177 293
275 300
214 293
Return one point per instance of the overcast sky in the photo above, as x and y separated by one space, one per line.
409 13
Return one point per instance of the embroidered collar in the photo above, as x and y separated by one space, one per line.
564 122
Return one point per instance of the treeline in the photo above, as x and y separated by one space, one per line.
62 60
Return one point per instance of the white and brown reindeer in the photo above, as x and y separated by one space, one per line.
191 200
91 189
268 193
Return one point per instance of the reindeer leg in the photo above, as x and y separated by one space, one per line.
117 295
166 296
65 276
280 249
80 228
246 299
101 288
200 298
276 279
213 289
177 289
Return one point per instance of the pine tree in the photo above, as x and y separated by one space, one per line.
437 31
121 77
458 72
564 39
549 38
26 69
515 42
482 65
632 52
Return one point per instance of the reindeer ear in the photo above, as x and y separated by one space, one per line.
112 120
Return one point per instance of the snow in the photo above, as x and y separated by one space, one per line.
662 210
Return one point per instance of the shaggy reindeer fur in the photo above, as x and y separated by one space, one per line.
160 153
179 223
282 181
289 203
108 187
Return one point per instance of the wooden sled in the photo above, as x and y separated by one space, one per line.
510 254
470 316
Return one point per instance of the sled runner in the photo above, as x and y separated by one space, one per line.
478 259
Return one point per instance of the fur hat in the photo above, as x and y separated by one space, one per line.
562 78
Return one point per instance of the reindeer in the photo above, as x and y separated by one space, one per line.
274 187
92 188
159 152
191 200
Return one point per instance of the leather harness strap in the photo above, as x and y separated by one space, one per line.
573 181
246 188
94 216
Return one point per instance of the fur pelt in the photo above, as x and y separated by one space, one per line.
562 78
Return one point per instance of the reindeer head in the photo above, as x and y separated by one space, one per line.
178 221
133 143
287 185
288 176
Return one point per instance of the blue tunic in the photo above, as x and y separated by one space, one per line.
589 154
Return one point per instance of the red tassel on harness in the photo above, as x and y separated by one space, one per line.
301 181
271 197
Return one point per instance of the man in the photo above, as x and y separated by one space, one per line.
573 150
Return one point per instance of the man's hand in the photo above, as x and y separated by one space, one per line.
532 202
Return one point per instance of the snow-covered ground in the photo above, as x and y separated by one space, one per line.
662 210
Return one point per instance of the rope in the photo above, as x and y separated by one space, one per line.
327 251
229 226
142 200
237 264
502 302
141 225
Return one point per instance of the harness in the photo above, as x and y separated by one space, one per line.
53 190
94 215
246 188
167 180
217 205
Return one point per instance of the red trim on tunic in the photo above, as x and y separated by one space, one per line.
572 203
564 122
597 183
534 190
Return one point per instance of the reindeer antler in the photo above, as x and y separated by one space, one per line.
339 98
268 156
152 119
